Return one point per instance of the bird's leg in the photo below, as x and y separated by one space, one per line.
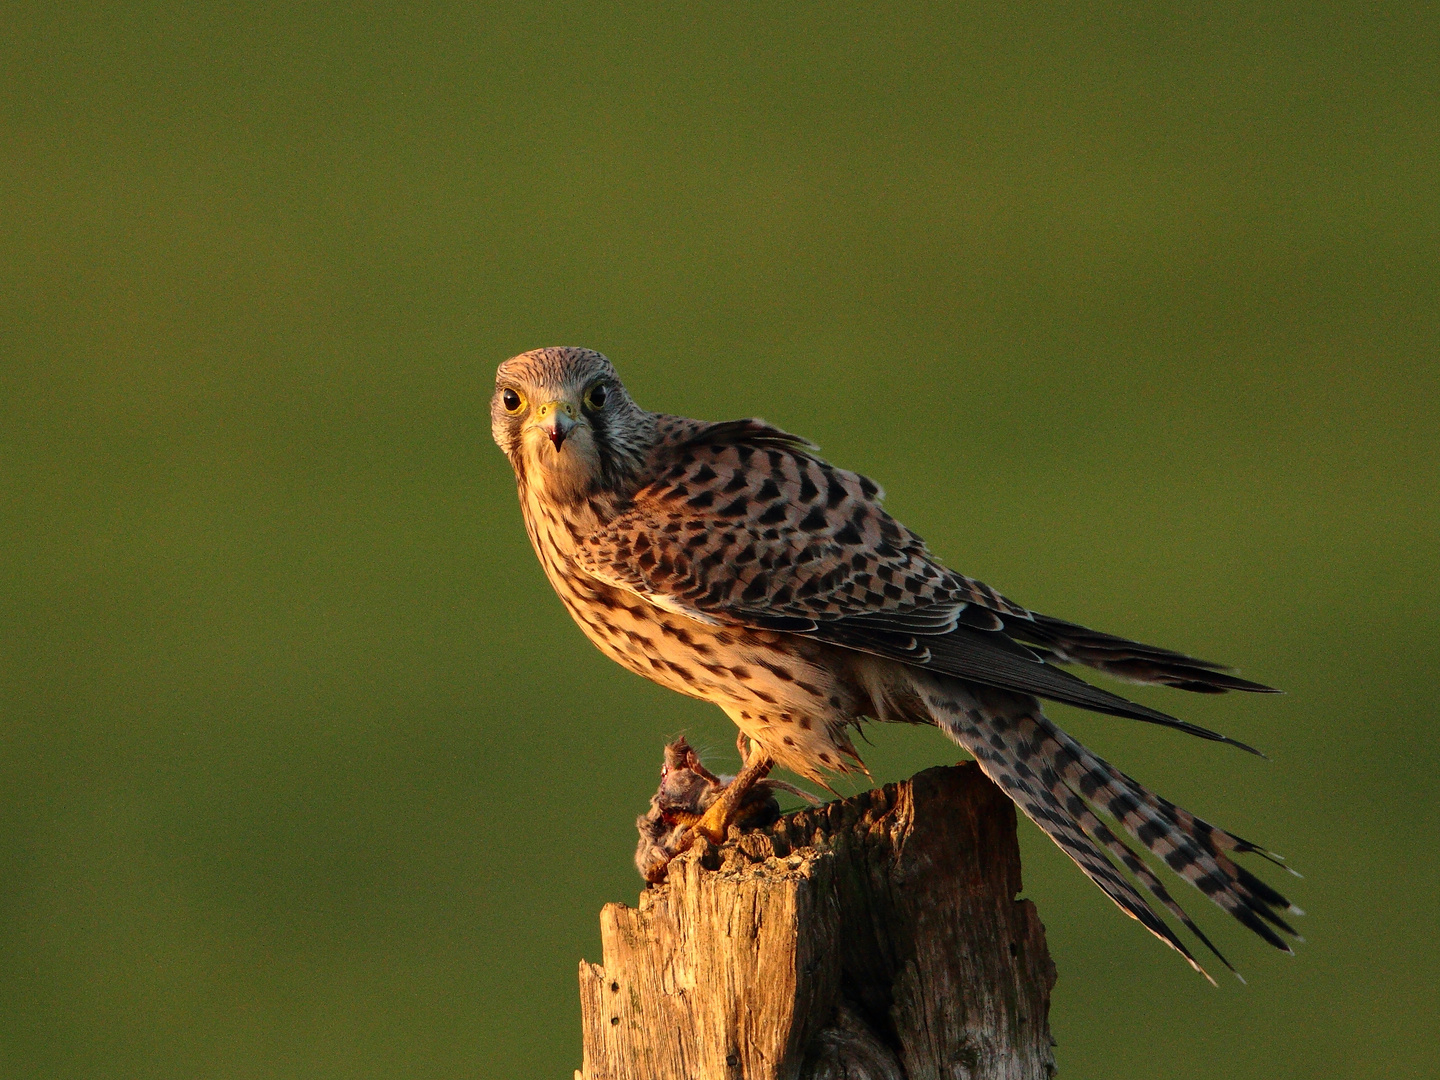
717 819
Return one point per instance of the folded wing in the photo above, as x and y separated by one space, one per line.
749 527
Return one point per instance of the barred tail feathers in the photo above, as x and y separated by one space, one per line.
1055 780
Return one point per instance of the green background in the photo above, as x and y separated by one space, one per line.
303 770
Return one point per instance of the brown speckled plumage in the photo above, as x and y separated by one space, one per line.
728 561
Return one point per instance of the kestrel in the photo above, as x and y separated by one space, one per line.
729 562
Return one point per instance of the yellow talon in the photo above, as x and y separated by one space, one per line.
715 823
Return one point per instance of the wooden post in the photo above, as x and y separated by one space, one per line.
874 938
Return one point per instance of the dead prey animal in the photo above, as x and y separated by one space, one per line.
688 789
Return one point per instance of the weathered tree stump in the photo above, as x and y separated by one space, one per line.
876 937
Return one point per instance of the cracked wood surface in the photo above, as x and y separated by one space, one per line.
872 938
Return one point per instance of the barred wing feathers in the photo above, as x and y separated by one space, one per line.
746 525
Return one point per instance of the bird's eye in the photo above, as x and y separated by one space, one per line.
512 400
595 399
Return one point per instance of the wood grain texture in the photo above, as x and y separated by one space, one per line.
873 938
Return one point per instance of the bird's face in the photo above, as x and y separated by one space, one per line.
564 420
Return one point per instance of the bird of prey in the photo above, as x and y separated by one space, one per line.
730 562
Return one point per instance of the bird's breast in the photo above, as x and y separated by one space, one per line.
793 694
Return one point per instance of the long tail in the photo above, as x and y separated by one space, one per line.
1059 785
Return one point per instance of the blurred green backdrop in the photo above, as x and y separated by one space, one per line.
1134 310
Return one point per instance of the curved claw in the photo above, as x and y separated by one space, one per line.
715 822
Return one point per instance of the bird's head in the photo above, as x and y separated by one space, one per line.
566 422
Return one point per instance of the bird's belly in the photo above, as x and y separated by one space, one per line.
788 693
731 666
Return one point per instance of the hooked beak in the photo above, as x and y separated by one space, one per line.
556 419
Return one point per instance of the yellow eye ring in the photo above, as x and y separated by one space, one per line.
511 401
596 396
